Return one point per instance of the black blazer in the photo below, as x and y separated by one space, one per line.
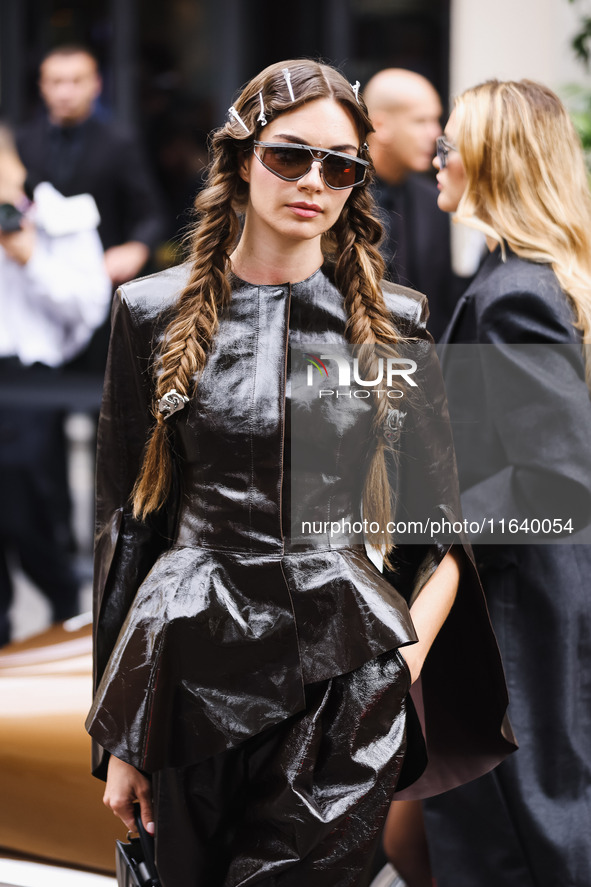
521 418
109 165
521 415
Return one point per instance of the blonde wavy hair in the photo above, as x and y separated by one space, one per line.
527 185
352 243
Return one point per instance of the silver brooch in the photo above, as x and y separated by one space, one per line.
394 423
171 403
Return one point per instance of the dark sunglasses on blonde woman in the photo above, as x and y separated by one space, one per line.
443 147
291 162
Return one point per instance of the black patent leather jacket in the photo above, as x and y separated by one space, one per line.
211 617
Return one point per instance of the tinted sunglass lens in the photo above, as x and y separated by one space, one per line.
292 163
342 173
442 152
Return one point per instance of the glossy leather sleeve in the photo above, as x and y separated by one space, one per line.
125 548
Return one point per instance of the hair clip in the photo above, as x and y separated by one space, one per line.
171 403
261 118
394 423
232 110
356 89
287 77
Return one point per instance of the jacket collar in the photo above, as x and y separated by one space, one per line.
489 265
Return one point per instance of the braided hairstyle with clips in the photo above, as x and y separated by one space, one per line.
353 240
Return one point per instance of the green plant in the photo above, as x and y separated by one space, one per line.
580 43
577 97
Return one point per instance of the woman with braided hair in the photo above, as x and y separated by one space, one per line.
251 692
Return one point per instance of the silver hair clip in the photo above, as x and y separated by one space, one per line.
171 403
287 77
261 118
394 424
356 89
232 110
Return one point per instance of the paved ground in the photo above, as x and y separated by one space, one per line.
18 873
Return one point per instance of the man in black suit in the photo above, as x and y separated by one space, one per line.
78 152
405 111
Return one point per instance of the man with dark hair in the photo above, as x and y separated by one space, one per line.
405 111
78 152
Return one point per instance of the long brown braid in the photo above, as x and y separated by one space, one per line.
189 334
359 269
358 273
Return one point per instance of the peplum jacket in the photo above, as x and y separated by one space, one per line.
212 616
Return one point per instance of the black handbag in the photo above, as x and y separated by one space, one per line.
135 858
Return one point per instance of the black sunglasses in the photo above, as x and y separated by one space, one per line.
291 162
443 148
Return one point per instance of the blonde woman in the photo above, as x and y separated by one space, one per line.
250 689
511 165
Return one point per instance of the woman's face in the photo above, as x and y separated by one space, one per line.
304 209
451 181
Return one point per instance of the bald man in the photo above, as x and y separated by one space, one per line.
405 110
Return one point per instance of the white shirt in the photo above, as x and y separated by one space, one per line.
50 306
